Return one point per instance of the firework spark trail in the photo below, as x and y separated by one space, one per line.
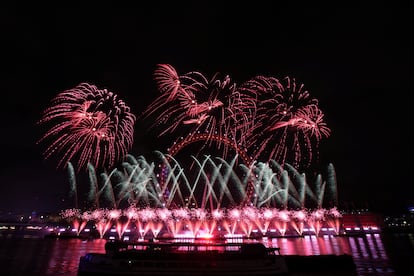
168 80
214 183
288 124
172 105
272 118
311 119
200 105
88 125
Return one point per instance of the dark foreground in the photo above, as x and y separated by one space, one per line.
148 258
342 265
373 255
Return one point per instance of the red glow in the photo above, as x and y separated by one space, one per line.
272 119
88 125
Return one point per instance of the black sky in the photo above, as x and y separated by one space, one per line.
356 60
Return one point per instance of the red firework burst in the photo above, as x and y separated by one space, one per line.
272 119
87 125
196 104
288 124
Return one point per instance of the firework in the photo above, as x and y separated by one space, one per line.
288 124
192 103
271 119
87 125
167 80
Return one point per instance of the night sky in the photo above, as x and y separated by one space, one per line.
356 60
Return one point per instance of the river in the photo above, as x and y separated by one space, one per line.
373 254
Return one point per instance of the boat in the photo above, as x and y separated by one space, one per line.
150 258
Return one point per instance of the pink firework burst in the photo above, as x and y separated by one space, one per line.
272 119
167 80
288 125
88 125
192 103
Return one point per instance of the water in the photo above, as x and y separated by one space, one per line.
373 254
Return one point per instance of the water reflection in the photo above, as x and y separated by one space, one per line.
65 259
368 251
311 245
373 254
